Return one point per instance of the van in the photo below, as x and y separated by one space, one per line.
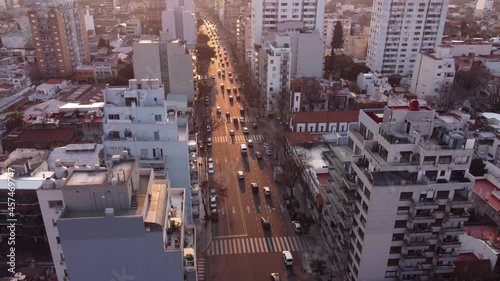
243 148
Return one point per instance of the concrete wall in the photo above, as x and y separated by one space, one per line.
106 248
146 60
309 55
181 77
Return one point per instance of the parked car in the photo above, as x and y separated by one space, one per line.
258 154
213 203
250 143
230 98
241 175
245 130
297 227
287 258
211 169
275 276
231 132
242 120
254 186
267 191
209 142
265 222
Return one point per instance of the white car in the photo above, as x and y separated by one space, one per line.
209 142
287 257
209 129
245 130
213 203
241 175
231 132
267 191
213 76
250 143
269 152
210 161
297 227
242 120
218 110
211 169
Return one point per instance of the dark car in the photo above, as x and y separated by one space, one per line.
258 154
265 222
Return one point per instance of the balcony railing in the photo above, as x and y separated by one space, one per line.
449 243
464 216
461 203
425 204
420 218
455 230
418 231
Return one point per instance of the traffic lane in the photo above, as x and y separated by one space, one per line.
252 267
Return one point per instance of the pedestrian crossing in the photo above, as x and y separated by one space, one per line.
254 245
248 119
201 266
239 138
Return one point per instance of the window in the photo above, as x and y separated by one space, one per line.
395 250
157 136
58 240
398 237
113 117
403 210
55 204
405 196
297 98
400 224
441 173
389 274
393 262
158 117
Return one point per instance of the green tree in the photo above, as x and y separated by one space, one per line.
305 222
14 120
204 53
203 88
477 167
127 72
338 36
103 43
318 266
202 39
352 73
210 189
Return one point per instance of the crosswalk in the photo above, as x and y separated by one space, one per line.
201 266
248 119
238 138
254 245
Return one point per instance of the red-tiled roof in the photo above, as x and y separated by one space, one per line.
325 116
296 138
323 178
484 189
5 86
54 81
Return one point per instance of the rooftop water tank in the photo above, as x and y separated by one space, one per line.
59 182
48 183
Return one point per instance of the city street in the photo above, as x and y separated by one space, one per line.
241 247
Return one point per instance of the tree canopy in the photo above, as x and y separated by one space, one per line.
13 120
103 43
477 167
338 36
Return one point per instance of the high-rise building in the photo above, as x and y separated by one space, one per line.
115 223
59 36
89 21
110 5
403 200
399 30
139 120
179 19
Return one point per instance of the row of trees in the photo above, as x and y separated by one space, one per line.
204 53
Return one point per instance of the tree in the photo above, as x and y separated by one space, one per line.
204 88
463 28
103 43
318 266
14 120
204 53
126 72
338 36
354 70
477 167
294 169
210 189
202 39
311 91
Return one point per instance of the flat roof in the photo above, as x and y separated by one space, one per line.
315 155
487 190
91 176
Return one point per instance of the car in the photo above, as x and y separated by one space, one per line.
265 222
250 143
254 186
235 120
213 193
258 154
267 191
210 161
207 98
297 227
275 276
228 90
209 129
205 78
287 258
223 70
209 142
218 110
242 120
269 151
213 61
231 79
222 86
242 111
230 97
227 114
213 76
213 203
241 175
218 72
230 74
211 169
245 130
238 97
231 132
235 90
227 64
254 125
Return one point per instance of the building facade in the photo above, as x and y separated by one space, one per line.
401 29
411 195
179 19
433 73
59 36
146 59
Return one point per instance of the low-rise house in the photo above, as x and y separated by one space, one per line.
49 89
322 121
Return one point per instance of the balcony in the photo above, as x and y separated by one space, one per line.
350 181
425 204
346 222
417 232
346 194
457 217
422 218
432 240
460 203
415 245
415 257
449 243
438 214
425 266
447 256
439 269
152 159
410 270
455 230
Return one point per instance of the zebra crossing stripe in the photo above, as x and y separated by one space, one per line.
287 245
280 244
254 245
251 243
269 243
239 246
261 244
235 246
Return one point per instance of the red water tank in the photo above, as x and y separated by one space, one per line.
414 105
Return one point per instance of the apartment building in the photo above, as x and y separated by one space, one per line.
407 193
139 121
110 5
59 36
89 21
329 23
244 35
433 73
100 219
266 15
134 27
399 30
146 59
179 18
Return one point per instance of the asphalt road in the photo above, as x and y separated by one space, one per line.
241 248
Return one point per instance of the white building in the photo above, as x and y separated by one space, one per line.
139 121
412 191
266 15
179 18
133 27
364 80
48 89
465 48
433 73
401 29
89 21
483 6
146 59
85 210
110 5
329 23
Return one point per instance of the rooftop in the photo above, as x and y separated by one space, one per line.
314 155
93 176
54 81
297 138
488 192
61 134
324 116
